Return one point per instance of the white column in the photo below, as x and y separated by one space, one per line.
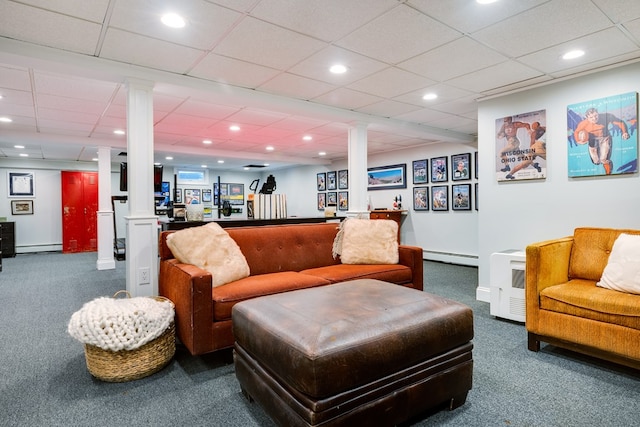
357 161
105 212
142 223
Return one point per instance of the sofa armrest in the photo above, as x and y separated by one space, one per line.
189 287
547 264
411 256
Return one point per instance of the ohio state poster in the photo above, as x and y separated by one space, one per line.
521 146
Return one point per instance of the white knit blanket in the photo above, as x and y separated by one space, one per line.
121 324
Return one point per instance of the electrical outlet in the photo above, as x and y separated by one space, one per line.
144 276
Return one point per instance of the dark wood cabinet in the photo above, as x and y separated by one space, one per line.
7 240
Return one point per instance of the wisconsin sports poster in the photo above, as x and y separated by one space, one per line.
602 137
521 146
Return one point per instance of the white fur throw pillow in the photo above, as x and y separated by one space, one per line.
366 241
210 248
622 272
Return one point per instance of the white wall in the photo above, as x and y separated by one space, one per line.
514 214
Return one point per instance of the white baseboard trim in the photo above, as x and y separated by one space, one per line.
28 249
452 258
483 293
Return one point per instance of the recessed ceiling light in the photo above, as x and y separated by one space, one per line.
430 96
266 164
220 161
234 128
338 69
168 158
322 153
486 1
207 141
95 159
118 132
307 137
5 120
18 146
203 166
269 148
24 155
1 96
246 168
173 20
573 54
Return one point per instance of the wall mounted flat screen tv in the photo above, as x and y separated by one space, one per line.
157 177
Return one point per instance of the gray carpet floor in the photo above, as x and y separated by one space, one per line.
44 380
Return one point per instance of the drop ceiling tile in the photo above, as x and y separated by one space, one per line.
469 16
12 97
78 127
462 106
295 86
423 115
461 56
35 25
346 98
563 20
445 94
131 48
206 22
398 35
634 28
232 71
73 87
332 19
620 10
391 82
256 116
204 109
70 104
94 10
14 78
17 110
605 44
265 44
499 75
317 66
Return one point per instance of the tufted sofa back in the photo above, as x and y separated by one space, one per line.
590 251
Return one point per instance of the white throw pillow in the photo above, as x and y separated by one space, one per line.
210 248
622 272
366 241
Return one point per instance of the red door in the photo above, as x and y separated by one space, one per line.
79 211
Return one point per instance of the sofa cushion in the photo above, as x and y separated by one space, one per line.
622 272
582 298
225 297
393 273
365 241
210 248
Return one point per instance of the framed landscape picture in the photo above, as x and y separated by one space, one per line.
461 197
387 177
420 175
440 198
420 198
439 169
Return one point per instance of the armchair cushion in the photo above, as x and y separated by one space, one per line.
622 272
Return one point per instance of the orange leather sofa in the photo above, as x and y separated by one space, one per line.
281 258
564 307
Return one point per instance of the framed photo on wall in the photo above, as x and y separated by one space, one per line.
521 146
21 184
439 171
387 177
461 197
332 180
420 175
343 200
461 167
322 201
343 179
22 207
420 198
440 197
332 198
321 181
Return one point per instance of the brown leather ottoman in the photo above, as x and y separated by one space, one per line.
362 352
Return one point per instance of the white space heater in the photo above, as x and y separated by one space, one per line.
506 271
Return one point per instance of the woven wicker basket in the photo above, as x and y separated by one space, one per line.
129 365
